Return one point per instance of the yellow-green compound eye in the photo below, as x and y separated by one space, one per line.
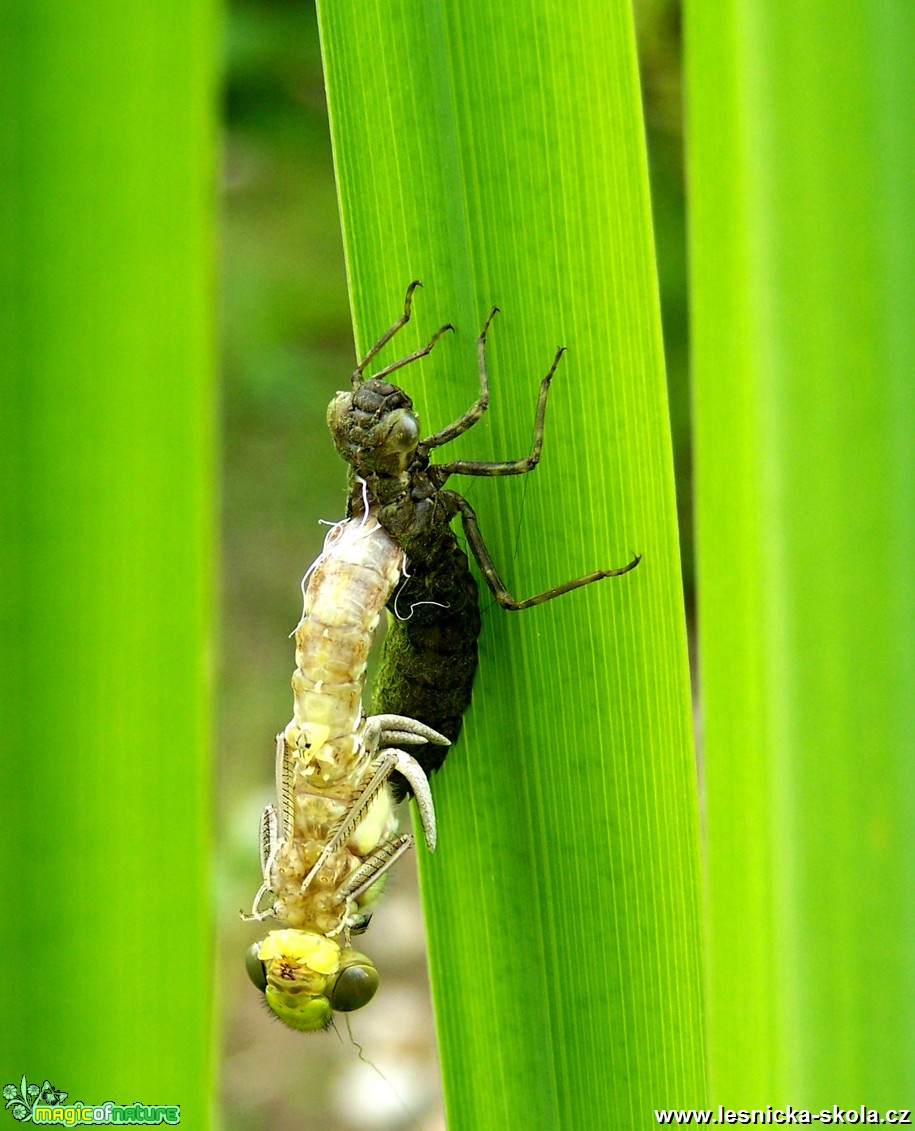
257 971
356 983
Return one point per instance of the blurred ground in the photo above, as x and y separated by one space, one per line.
287 345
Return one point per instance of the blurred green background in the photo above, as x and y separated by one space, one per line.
108 139
287 348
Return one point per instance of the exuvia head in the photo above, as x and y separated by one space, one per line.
305 977
374 428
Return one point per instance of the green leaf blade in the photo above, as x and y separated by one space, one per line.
107 547
802 265
500 160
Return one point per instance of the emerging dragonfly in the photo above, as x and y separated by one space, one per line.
332 835
430 656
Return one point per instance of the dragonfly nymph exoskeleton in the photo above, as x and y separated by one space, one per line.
332 835
430 651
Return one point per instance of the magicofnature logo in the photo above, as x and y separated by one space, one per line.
44 1104
22 1101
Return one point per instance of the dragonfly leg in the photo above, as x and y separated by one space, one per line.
387 335
491 574
255 916
358 373
385 730
478 408
509 466
270 846
414 356
390 761
276 828
410 769
371 871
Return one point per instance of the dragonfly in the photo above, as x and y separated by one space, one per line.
429 656
330 838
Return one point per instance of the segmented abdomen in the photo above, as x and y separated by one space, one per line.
324 763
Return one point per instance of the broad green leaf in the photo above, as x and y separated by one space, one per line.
801 141
106 540
497 154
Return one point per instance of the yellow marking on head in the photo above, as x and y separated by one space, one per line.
301 948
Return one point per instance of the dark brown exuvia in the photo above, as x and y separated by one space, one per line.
430 651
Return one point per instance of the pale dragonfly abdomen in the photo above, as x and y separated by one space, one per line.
332 834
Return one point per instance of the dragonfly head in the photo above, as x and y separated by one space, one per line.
305 977
374 428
